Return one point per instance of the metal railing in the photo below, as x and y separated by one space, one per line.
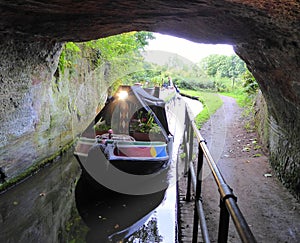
228 201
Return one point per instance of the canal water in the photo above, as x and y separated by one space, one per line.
38 209
55 206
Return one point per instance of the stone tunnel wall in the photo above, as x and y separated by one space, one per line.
276 67
265 33
283 155
41 112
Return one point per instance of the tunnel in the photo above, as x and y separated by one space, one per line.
265 34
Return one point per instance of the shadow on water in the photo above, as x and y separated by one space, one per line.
37 209
52 206
114 217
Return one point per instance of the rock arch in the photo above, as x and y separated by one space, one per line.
265 34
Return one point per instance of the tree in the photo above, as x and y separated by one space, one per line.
106 49
222 67
115 54
118 45
250 83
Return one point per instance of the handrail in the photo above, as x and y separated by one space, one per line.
228 201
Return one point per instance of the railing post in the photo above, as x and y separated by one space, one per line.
198 193
225 192
186 161
228 205
188 189
191 143
186 140
223 223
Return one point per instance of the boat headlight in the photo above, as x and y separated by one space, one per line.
123 95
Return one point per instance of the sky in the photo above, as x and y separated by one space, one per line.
188 49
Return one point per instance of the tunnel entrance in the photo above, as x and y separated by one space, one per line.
264 34
36 110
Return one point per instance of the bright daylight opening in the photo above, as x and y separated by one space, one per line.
190 50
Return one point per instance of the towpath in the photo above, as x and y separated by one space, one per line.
272 213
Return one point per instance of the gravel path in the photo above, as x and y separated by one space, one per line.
272 213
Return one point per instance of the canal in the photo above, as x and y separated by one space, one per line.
54 205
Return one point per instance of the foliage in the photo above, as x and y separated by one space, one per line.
145 123
119 50
225 71
119 45
242 99
148 74
216 73
188 75
244 96
101 126
223 66
117 53
195 84
211 103
250 85
70 52
182 155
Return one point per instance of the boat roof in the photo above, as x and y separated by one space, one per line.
136 94
145 97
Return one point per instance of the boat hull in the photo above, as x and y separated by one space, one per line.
140 167
136 185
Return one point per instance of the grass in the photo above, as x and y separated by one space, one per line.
242 99
211 102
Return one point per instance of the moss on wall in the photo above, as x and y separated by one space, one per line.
261 121
283 154
40 110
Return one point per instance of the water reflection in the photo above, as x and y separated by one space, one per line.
116 217
37 209
46 211
147 233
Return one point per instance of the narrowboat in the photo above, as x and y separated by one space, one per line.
128 142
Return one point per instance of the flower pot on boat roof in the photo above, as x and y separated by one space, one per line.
144 128
101 127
